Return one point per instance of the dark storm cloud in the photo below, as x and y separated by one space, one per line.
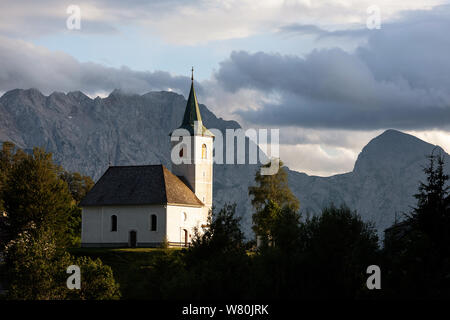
25 66
400 78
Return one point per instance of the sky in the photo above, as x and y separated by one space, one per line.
330 75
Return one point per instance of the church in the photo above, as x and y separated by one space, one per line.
144 206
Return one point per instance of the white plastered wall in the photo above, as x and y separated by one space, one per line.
96 225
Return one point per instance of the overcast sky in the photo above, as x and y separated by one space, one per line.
311 68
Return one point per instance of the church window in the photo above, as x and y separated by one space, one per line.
153 222
113 223
181 152
204 154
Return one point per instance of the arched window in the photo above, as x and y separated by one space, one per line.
153 222
204 151
113 223
181 152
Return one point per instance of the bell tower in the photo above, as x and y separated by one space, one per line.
196 151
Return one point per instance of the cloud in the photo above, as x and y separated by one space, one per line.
23 65
315 159
399 79
192 22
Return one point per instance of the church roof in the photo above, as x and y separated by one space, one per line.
139 185
192 115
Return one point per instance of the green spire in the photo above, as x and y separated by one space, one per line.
192 114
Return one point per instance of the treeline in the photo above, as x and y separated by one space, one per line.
39 219
296 256
324 256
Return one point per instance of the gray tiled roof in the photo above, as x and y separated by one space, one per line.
138 185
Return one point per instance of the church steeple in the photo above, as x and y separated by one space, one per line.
192 114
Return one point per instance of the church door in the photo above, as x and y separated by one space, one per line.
186 237
133 239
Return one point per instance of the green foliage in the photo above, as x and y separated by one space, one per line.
34 193
322 257
40 200
78 184
74 227
8 156
34 189
36 268
97 281
269 195
222 234
215 266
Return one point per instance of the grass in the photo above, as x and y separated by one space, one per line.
130 266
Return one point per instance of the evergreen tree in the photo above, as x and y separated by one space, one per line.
431 214
416 253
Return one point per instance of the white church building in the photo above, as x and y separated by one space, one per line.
141 206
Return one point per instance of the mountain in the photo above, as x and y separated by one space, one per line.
381 186
87 134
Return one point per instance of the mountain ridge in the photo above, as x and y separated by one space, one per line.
87 134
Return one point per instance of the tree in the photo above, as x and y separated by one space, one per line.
97 281
215 266
270 194
9 155
35 194
272 188
36 268
286 230
416 252
431 215
79 185
337 247
222 234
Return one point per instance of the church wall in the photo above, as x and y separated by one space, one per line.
199 175
177 222
96 226
204 170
